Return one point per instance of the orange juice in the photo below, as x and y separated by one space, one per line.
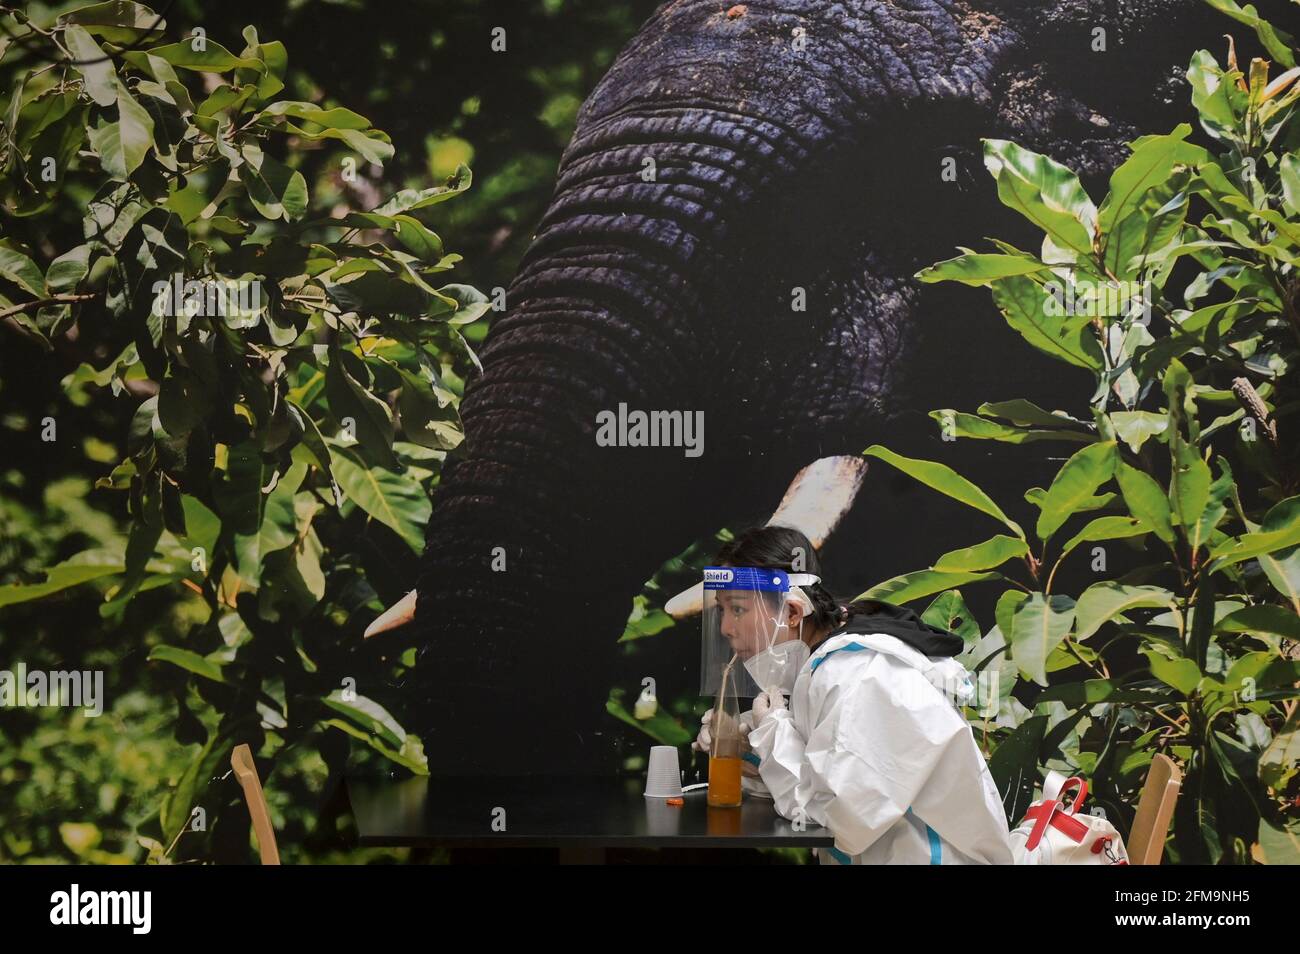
724 782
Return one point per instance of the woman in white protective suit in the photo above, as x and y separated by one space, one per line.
856 725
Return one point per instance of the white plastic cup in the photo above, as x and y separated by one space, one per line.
663 777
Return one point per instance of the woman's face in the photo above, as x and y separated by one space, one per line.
751 623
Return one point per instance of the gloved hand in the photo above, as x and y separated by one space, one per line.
766 703
704 740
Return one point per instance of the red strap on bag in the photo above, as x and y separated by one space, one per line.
1079 797
1052 812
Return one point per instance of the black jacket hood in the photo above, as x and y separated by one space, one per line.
875 616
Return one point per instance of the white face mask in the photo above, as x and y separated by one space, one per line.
778 666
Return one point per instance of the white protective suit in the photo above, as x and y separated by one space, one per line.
873 749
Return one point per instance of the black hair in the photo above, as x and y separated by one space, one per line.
784 548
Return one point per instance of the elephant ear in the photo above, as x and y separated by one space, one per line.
815 503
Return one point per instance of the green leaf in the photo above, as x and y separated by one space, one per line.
373 147
316 447
1278 845
949 611
21 270
277 531
1038 626
419 240
189 661
122 146
395 501
1281 760
470 303
67 271
913 586
335 118
1134 427
1150 165
1216 507
1146 501
1103 601
1089 692
1279 530
661 727
376 293
426 420
1043 191
347 388
1289 173
82 568
983 556
368 714
1014 767
1074 485
212 58
1282 566
957 424
411 756
408 200
1004 612
118 21
977 270
1273 620
1277 42
1025 306
947 481
1213 96
1027 413
1106 528
95 68
1189 486
49 108
275 190
202 526
179 804
1147 235
238 491
1183 674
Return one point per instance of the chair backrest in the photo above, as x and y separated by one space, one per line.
241 760
1146 842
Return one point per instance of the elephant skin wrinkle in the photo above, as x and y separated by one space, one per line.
734 230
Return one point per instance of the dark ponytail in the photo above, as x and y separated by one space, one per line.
784 548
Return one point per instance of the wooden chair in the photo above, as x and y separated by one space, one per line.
1146 842
241 760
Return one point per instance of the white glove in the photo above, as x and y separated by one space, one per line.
766 703
704 740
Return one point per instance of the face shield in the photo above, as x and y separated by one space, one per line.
752 626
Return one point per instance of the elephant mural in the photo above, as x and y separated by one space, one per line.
733 162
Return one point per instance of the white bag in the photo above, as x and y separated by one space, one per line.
1053 833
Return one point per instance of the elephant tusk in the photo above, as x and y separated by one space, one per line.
819 497
815 503
397 615
686 603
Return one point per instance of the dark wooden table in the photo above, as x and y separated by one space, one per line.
580 816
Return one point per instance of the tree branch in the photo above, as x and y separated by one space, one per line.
41 303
